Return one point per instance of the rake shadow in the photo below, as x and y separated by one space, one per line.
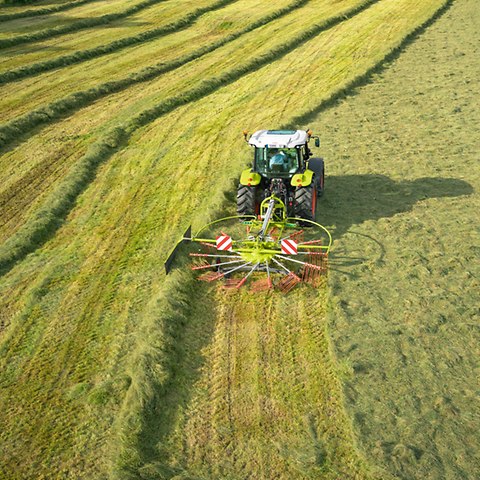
353 199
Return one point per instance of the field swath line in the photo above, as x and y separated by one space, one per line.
49 216
77 26
21 126
4 17
69 104
89 54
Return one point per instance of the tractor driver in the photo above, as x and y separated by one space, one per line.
284 161
279 162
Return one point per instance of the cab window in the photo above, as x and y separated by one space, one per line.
277 161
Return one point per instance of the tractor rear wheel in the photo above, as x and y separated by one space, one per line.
306 201
246 204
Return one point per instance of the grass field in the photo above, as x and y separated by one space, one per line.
406 319
117 136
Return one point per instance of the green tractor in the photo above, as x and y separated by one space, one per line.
274 242
283 166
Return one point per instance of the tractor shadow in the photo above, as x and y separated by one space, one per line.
353 199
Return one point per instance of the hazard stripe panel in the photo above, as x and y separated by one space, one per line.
289 246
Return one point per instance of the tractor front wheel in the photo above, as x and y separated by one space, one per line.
306 201
246 204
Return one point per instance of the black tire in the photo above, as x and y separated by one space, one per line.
306 201
246 200
318 166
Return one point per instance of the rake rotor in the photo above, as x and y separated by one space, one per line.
268 251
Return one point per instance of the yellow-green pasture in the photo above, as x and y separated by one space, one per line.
108 368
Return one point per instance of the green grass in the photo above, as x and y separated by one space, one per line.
403 198
108 369
48 28
33 12
77 47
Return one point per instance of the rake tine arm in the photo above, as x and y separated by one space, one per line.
244 279
236 268
214 256
293 235
300 262
282 266
201 267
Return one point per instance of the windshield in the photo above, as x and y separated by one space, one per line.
279 162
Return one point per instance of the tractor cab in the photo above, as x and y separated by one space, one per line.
282 166
274 162
281 151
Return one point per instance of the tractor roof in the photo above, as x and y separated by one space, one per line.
279 138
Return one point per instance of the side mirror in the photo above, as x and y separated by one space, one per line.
317 142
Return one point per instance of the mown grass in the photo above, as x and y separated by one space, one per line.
40 226
101 271
242 387
106 45
19 170
207 33
75 26
60 107
27 25
31 169
43 11
404 199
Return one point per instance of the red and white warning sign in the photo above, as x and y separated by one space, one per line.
224 242
289 246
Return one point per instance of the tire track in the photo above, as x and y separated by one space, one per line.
221 387
19 195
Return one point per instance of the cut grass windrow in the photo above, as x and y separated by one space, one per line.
116 237
44 11
58 204
75 27
84 55
242 353
44 223
13 130
305 117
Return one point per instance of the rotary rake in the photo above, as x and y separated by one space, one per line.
267 251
